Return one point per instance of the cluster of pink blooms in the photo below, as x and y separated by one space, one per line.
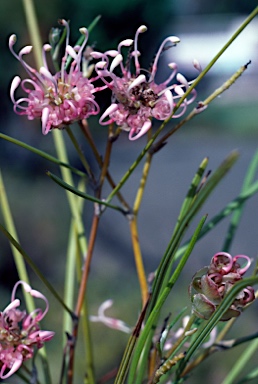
60 99
214 282
68 96
20 332
136 97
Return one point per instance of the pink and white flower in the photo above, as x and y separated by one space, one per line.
20 332
60 99
110 322
136 97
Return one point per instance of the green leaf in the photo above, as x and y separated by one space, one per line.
250 174
84 195
162 274
235 204
151 322
34 268
41 153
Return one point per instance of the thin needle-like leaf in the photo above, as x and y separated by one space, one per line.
42 154
82 194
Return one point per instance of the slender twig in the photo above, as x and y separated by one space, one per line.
141 188
138 259
201 106
80 153
134 231
85 129
81 294
42 154
124 366
87 263
19 261
33 27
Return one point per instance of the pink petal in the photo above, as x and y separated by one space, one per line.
15 84
112 108
117 60
44 120
14 304
139 80
146 126
16 365
244 269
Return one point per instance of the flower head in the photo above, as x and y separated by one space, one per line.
20 332
110 322
59 99
213 283
136 97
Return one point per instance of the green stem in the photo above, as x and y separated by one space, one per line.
32 23
241 363
80 153
231 207
152 319
216 57
42 154
19 262
84 195
196 110
67 177
250 174
35 269
69 280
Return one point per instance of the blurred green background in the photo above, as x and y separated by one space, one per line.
39 206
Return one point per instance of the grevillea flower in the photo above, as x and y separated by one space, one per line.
136 97
20 332
59 99
110 322
213 283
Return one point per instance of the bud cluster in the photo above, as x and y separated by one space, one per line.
212 283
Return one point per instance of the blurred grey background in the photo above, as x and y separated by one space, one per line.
230 122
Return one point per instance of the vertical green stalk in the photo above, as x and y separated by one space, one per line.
236 216
241 363
18 259
134 231
153 317
20 266
72 199
58 139
80 235
69 280
33 27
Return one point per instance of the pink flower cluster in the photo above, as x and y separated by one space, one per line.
136 97
68 96
20 332
60 99
213 283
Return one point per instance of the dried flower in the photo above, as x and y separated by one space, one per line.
60 99
136 97
20 332
213 283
